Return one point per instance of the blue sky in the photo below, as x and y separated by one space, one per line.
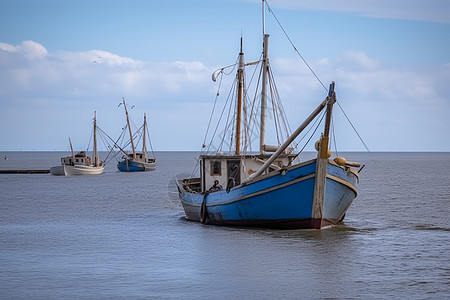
62 60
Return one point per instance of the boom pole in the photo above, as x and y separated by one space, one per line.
291 138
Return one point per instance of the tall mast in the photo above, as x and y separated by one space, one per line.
71 149
129 129
265 66
240 77
96 160
144 146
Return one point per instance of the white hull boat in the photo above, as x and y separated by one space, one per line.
80 163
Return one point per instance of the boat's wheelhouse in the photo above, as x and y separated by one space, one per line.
80 159
232 170
140 157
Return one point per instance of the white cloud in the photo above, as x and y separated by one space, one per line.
97 57
405 104
91 73
356 71
358 60
50 93
29 49
53 95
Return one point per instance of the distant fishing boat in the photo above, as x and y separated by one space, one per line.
80 163
134 161
270 188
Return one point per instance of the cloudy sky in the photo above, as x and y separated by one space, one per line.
62 60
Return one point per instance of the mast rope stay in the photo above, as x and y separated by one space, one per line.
213 109
90 139
220 72
351 124
333 134
249 126
150 143
314 73
315 125
295 48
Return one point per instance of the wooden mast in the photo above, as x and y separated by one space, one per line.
144 146
240 78
129 129
71 149
265 69
96 160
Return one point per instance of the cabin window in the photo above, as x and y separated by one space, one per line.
216 168
76 159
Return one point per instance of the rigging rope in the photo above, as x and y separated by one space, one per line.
228 123
102 137
253 112
212 112
222 71
90 139
295 48
318 121
277 105
150 143
334 135
351 124
312 71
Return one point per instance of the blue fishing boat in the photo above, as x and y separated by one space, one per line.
270 188
135 161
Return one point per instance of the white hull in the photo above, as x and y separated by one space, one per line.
149 166
57 170
83 170
76 170
80 164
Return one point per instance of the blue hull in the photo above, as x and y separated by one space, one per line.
127 165
275 200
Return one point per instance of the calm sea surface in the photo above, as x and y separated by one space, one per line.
120 235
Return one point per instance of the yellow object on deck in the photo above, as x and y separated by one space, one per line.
340 161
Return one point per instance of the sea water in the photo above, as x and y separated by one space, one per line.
124 235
